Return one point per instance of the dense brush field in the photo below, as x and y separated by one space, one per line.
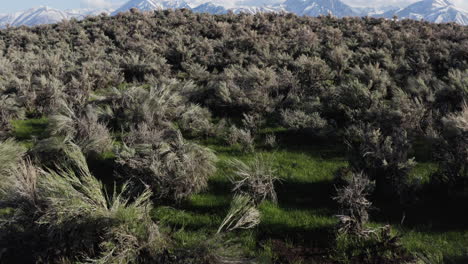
175 137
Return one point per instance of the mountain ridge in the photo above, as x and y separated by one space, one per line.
437 11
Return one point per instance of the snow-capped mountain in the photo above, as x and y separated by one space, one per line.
257 9
319 7
46 15
438 11
89 12
34 16
374 11
150 5
218 9
210 8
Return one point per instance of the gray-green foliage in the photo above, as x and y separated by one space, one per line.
10 154
196 121
453 149
297 119
83 127
240 136
163 160
383 157
156 105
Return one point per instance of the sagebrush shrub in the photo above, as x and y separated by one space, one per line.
196 121
384 158
297 119
354 204
452 151
83 127
242 137
172 167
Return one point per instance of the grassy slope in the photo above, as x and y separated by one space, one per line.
304 214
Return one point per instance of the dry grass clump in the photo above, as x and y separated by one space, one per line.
71 213
242 215
172 167
84 128
255 178
10 154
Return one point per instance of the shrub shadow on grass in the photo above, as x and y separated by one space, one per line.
439 215
316 146
322 237
456 260
300 195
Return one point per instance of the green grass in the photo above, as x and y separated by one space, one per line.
304 215
450 245
26 130
305 212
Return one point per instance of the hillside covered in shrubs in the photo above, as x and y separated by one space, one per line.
177 137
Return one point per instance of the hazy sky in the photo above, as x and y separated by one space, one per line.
15 5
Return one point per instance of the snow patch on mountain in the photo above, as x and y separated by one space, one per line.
437 11
150 5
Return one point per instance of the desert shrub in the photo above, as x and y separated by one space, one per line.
157 105
297 119
49 94
270 141
354 204
250 89
252 122
172 167
242 215
10 109
10 154
383 157
255 178
242 137
196 121
452 153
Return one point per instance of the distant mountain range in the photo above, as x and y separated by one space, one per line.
438 11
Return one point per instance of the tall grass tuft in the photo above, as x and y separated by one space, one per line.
255 178
76 219
242 215
11 154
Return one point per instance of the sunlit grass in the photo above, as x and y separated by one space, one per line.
30 128
305 210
